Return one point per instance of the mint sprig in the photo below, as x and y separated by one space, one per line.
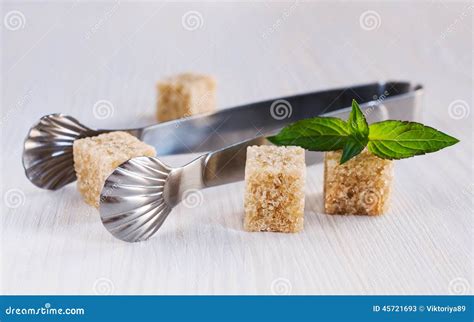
387 139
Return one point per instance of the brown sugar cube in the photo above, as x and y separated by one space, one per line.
274 195
361 186
95 158
184 95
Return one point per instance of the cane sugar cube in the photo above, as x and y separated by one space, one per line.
184 95
361 186
274 196
95 158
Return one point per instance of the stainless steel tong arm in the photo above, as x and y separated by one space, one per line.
48 159
215 168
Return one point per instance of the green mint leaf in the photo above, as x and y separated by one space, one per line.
357 123
314 134
353 147
359 134
401 139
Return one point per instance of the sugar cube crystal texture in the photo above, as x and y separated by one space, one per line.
274 195
185 95
95 158
361 186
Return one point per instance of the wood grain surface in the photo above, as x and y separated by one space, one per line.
67 56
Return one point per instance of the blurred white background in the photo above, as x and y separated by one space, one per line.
64 57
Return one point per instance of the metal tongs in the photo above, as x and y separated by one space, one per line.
138 196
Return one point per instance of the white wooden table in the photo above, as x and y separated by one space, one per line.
66 57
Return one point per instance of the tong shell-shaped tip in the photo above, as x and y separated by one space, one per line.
132 203
48 150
